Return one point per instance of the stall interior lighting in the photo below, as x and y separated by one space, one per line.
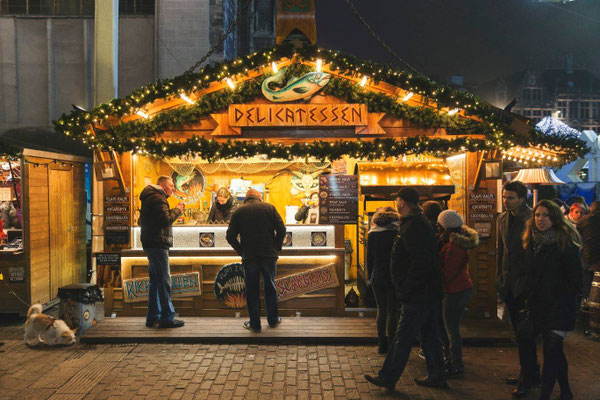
142 114
408 96
319 64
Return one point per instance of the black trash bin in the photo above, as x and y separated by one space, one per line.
77 305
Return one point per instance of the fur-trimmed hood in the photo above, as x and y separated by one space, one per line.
384 218
467 238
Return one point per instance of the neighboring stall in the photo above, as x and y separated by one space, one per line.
289 121
43 212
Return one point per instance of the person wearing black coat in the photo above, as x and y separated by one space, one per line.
261 232
156 220
384 227
552 254
222 210
417 281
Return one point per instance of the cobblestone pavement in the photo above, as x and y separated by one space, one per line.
186 371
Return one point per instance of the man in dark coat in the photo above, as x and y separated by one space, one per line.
589 229
261 232
417 281
512 273
156 220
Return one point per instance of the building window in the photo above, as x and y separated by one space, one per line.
532 95
229 15
596 110
71 7
547 113
574 108
264 17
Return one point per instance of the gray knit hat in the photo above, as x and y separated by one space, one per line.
450 219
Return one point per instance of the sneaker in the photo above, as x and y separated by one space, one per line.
151 323
454 373
176 323
377 381
434 383
250 328
276 323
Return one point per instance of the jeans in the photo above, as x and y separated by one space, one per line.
416 320
453 307
387 313
253 269
160 307
530 371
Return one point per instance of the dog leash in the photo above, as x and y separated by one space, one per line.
16 295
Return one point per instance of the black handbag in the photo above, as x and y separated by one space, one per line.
526 329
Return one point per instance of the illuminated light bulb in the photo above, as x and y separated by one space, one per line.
274 66
142 114
319 64
187 99
230 83
363 82
453 111
408 96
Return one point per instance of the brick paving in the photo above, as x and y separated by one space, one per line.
195 371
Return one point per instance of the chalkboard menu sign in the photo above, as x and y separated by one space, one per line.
338 199
117 222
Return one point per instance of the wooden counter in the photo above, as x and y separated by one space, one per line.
326 302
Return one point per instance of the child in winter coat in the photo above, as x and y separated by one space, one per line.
455 240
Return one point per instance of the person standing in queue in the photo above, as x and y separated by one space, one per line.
384 228
156 220
417 282
222 210
261 232
511 280
552 255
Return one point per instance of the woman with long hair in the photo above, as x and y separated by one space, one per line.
552 250
384 228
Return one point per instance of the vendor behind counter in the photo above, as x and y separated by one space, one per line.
223 208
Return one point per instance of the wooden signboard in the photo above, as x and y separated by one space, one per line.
182 285
117 222
305 282
338 199
297 115
482 213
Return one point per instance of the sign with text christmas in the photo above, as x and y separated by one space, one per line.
182 285
297 115
338 199
117 222
312 280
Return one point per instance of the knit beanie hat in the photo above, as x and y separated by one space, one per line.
450 219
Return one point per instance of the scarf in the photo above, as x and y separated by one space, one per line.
390 227
226 206
541 239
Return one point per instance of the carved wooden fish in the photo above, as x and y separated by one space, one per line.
296 88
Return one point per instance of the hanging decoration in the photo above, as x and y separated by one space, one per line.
297 88
102 129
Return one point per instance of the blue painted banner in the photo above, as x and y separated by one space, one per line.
182 285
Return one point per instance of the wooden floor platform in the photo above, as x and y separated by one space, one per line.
302 330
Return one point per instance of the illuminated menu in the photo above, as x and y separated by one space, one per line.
338 199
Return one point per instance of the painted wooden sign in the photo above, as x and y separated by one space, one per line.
117 223
305 282
182 285
297 115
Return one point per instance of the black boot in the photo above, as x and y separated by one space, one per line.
383 346
554 365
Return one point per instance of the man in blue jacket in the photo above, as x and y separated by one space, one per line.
418 285
156 220
261 232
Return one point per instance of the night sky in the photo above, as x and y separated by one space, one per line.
478 39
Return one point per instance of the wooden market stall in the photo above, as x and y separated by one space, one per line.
43 209
288 121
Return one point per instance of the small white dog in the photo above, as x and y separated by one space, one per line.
45 329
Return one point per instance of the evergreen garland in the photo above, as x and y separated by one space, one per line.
138 135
